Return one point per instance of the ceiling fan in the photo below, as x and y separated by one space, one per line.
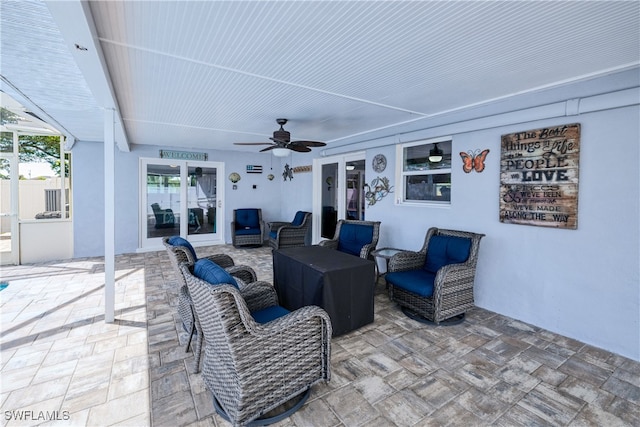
282 142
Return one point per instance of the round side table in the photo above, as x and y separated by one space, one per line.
386 254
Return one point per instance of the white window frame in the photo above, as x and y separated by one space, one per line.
401 173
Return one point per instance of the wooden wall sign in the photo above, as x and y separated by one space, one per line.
539 177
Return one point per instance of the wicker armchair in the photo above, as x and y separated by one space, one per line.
254 363
247 227
355 237
288 234
180 250
436 283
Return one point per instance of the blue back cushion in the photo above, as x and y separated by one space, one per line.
299 218
247 218
179 241
353 237
212 273
444 250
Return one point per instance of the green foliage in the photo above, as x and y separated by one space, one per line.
32 148
7 116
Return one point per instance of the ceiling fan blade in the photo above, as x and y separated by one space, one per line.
279 141
269 148
252 143
298 148
310 143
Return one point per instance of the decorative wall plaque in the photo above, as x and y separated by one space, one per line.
539 177
182 155
379 163
301 169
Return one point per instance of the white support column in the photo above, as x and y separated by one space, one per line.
109 216
63 181
14 205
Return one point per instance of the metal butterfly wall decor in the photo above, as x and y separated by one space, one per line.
473 160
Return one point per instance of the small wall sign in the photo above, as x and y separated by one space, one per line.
539 177
300 169
254 169
183 155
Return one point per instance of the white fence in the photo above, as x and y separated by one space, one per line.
32 195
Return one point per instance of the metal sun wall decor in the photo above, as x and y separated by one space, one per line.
473 160
377 190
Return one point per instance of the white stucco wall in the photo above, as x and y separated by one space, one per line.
584 283
88 190
580 283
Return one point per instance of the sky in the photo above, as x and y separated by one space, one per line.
34 170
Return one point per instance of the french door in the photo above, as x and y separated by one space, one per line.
181 198
338 192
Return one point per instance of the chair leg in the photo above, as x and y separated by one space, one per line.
197 352
191 332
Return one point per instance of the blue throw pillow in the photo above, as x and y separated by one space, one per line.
212 273
179 241
444 250
299 218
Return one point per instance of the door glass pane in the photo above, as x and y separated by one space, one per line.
201 199
163 200
5 211
6 142
355 194
41 178
329 200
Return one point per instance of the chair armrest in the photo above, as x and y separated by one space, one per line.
332 244
223 260
458 275
276 225
243 272
406 260
366 250
259 295
291 323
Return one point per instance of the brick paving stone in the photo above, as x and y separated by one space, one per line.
57 353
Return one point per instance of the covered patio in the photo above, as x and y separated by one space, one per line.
61 361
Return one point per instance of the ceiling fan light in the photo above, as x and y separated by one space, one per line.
280 152
435 154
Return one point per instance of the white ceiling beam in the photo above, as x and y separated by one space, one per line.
77 27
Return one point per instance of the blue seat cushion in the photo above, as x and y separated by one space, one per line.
248 231
419 282
247 218
180 241
212 273
353 237
298 219
444 250
273 234
268 314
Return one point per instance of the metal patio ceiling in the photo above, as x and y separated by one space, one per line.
196 74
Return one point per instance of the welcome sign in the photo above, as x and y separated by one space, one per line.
539 177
